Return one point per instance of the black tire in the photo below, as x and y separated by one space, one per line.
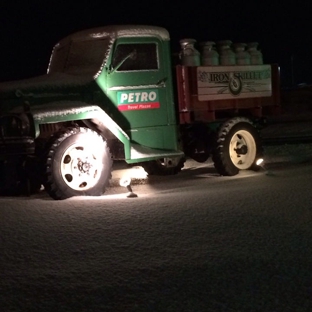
237 147
78 163
164 166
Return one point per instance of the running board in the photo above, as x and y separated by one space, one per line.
144 153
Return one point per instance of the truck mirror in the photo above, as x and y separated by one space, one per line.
132 56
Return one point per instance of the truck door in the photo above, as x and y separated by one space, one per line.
136 83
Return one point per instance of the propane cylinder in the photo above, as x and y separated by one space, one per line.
209 56
227 56
189 55
255 54
242 56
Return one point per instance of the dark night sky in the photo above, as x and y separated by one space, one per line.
29 30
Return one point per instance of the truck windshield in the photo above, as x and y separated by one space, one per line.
79 57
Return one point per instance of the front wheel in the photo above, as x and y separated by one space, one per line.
78 162
237 147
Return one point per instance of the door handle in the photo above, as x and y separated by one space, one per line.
162 82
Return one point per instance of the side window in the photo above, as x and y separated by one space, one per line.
134 57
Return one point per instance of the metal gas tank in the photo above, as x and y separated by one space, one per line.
242 55
209 55
227 55
255 54
189 55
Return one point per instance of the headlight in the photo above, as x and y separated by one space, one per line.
15 125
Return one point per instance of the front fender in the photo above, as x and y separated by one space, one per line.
67 111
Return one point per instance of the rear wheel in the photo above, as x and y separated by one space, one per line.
164 166
237 147
78 162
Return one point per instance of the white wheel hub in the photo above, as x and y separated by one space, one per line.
81 167
169 162
242 149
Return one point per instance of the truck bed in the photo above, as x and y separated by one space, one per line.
208 93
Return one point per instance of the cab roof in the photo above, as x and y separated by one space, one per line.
116 31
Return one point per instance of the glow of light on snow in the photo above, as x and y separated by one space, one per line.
135 173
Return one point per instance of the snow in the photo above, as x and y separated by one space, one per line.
190 242
193 242
62 109
119 30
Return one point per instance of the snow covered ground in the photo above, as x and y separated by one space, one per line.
191 242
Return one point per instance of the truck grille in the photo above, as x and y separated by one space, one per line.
16 146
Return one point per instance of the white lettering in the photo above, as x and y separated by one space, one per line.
145 106
152 96
130 99
131 107
144 96
137 96
123 97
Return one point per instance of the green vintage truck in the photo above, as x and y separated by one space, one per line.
116 93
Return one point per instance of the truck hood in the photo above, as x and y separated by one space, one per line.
49 83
